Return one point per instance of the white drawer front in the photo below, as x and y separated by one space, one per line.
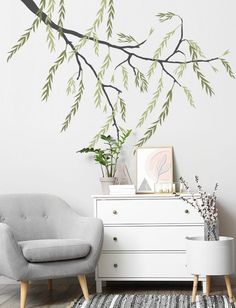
149 238
143 265
146 211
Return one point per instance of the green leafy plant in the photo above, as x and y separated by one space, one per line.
130 67
108 157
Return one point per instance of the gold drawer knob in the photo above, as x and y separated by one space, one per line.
186 211
115 239
115 265
115 212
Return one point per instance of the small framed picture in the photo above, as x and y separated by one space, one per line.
154 169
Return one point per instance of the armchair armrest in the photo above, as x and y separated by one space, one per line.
90 230
12 261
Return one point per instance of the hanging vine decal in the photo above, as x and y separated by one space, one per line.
52 14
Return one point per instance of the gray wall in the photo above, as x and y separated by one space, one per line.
35 157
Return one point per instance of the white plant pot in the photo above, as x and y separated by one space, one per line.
105 183
210 257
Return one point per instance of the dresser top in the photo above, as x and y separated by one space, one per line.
143 196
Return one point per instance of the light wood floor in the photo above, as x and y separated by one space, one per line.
66 290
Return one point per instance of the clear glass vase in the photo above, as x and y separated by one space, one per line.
211 230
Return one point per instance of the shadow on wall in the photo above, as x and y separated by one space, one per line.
227 228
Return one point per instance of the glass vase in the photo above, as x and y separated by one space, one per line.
211 230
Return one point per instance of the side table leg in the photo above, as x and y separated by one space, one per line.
208 285
229 288
99 286
194 292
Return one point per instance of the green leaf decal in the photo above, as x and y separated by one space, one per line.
74 107
49 80
152 104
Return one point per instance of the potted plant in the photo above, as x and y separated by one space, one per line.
108 157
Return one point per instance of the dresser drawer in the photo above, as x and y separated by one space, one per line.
143 265
149 238
146 211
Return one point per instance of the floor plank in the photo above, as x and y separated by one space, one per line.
65 291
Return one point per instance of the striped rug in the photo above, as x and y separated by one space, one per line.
152 301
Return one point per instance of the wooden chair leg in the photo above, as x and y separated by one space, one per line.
208 285
229 288
84 287
50 284
23 293
194 292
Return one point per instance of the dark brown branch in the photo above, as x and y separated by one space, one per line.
104 86
131 65
169 74
180 40
31 5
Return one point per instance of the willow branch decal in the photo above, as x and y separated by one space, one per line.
171 68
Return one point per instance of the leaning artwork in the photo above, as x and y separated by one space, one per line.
154 168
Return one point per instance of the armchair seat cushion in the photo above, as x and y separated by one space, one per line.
48 250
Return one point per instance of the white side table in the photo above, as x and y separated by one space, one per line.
210 258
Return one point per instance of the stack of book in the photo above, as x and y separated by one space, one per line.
117 190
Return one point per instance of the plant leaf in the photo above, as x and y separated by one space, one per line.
189 96
125 77
124 38
74 107
158 52
110 18
152 104
227 67
165 16
49 80
164 113
204 82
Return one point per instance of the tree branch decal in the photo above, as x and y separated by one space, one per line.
170 67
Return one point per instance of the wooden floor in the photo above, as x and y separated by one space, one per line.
65 291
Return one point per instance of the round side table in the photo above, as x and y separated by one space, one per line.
210 258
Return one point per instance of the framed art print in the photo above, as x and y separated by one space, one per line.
154 167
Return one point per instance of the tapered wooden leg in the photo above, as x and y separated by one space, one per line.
208 285
84 287
194 292
229 288
50 284
23 293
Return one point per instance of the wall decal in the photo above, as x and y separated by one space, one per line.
185 53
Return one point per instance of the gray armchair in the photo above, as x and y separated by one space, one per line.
41 237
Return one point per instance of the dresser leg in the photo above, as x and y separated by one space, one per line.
194 292
98 286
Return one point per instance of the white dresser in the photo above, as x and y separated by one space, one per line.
144 238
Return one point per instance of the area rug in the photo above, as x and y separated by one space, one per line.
152 301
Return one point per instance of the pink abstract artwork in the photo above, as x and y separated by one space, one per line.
154 165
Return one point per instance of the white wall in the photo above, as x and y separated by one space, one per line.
35 157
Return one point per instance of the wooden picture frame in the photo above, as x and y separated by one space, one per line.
154 167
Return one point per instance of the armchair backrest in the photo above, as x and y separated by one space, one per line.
34 216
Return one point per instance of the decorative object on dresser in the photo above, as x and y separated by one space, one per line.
119 190
108 158
218 260
144 238
154 168
152 300
206 206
